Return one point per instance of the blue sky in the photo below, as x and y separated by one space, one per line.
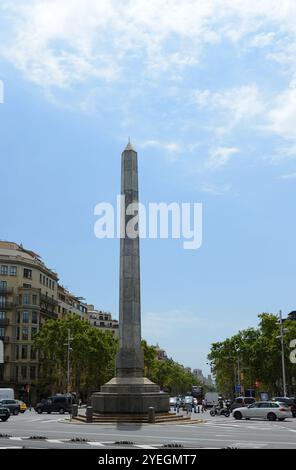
207 91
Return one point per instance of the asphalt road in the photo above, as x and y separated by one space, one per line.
56 431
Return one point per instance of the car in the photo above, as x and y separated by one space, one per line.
270 410
12 405
239 402
56 403
290 401
4 413
23 406
173 401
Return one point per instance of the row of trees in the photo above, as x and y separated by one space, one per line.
253 357
93 360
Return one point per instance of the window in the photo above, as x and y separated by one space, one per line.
44 280
16 372
3 284
2 315
26 299
32 372
27 286
16 352
52 285
35 317
47 282
28 273
40 278
102 323
18 333
2 301
12 270
25 333
25 317
24 351
34 331
33 353
4 270
2 332
24 372
34 299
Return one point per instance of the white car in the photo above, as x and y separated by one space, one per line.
270 410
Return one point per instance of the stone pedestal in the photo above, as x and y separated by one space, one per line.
130 395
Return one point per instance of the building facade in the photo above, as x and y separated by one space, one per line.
102 320
70 303
28 297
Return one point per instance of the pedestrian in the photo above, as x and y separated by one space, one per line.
177 407
194 405
204 405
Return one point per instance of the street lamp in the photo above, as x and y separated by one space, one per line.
69 349
282 331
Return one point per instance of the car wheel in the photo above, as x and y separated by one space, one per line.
61 411
49 412
39 411
237 415
282 419
15 412
271 417
4 419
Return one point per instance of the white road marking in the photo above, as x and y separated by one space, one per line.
143 446
55 441
11 447
98 444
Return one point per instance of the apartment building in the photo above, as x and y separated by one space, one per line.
28 297
70 303
102 320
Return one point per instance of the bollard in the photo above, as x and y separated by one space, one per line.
151 414
89 414
74 411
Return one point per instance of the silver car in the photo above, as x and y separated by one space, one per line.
270 410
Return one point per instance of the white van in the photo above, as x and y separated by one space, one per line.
212 398
6 394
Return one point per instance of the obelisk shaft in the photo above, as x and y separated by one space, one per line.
129 359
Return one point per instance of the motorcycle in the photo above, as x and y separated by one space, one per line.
220 412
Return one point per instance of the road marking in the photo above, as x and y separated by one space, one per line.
11 447
17 438
143 446
98 444
55 441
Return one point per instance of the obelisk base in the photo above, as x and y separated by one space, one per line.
130 395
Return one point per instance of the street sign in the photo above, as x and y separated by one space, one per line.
237 388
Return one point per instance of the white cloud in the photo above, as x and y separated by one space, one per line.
282 118
220 157
240 103
63 42
214 189
289 176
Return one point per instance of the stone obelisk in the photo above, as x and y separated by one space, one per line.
129 391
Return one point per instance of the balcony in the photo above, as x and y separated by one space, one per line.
48 300
4 321
48 313
6 290
7 305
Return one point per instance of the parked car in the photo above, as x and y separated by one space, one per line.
4 413
23 406
241 401
56 403
270 410
12 405
291 402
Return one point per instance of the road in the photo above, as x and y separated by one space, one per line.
56 431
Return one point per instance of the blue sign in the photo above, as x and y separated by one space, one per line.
238 388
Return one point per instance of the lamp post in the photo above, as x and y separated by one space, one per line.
283 330
69 349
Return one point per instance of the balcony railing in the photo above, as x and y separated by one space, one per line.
6 290
48 300
7 305
4 321
48 313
